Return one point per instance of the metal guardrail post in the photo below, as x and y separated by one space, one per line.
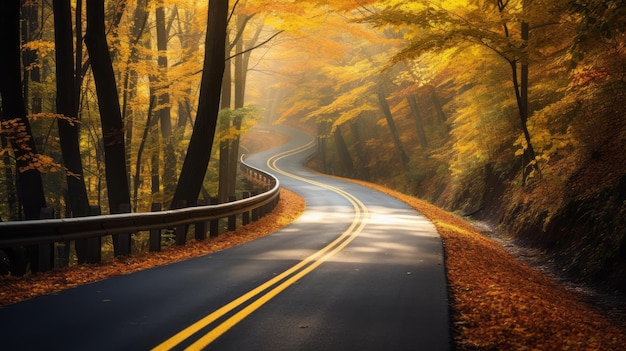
94 245
122 242
45 252
155 234
232 219
214 224
255 211
200 227
245 217
181 230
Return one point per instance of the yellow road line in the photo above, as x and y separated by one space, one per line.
313 261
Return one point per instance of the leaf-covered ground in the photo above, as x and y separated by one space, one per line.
497 302
14 289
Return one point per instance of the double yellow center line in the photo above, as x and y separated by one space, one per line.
268 290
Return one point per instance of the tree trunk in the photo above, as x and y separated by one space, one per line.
223 181
392 127
109 107
520 85
200 145
241 73
521 95
66 106
321 145
437 103
344 154
361 154
142 145
78 60
419 123
32 72
29 184
130 76
9 180
163 102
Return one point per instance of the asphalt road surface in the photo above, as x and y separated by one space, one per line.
358 270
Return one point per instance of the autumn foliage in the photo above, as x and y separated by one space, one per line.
500 303
15 289
497 302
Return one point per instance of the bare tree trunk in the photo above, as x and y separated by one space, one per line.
223 181
30 188
163 102
362 156
344 154
109 107
9 181
32 72
78 60
29 183
520 85
437 103
130 76
384 105
419 123
200 145
67 106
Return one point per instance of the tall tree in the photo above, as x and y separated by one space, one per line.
417 116
109 107
16 126
67 107
29 184
384 105
440 27
200 145
163 110
32 72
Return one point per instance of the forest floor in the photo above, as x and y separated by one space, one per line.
497 301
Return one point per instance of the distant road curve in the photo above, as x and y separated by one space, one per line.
358 270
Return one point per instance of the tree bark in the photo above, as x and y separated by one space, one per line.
66 106
419 123
384 105
344 154
29 183
437 103
361 154
32 72
9 181
109 107
78 61
200 145
163 102
130 76
223 181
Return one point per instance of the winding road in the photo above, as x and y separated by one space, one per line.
358 270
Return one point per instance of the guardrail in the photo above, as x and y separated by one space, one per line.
41 235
